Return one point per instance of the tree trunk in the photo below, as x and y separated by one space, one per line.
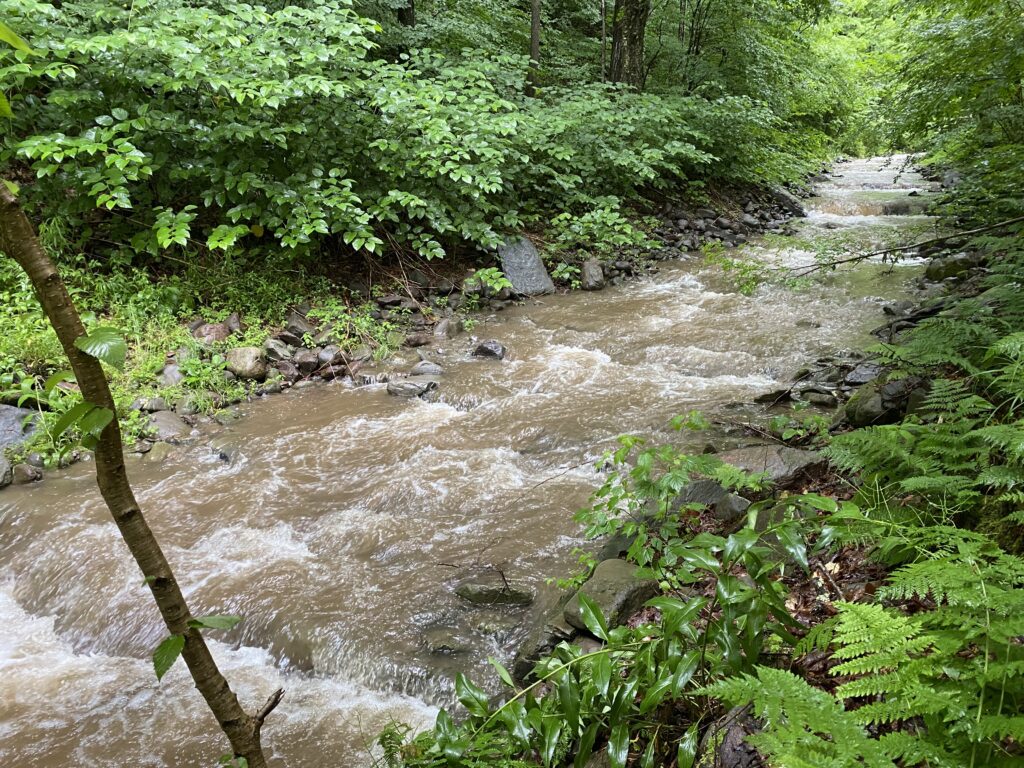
533 75
18 240
407 15
604 40
629 27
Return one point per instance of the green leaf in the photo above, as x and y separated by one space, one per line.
602 673
105 344
687 752
9 36
95 421
471 696
71 417
647 759
552 732
618 745
793 543
506 678
167 653
5 106
214 622
61 376
592 617
586 748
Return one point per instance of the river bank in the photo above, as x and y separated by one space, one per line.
340 520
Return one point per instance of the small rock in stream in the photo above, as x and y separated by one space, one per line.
490 348
412 387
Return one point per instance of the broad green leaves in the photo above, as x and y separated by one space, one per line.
166 654
170 649
105 344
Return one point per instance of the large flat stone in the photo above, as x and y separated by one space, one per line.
12 425
524 268
616 589
783 465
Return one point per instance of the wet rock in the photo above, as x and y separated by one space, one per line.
899 308
547 631
706 213
299 327
418 339
950 266
789 201
277 350
288 370
783 465
332 372
591 275
862 374
616 590
6 472
306 360
492 589
411 387
727 507
524 268
153 405
448 328
819 398
493 623
490 348
170 376
426 368
750 221
211 333
773 397
880 401
16 425
332 354
444 641
291 339
725 743
247 363
165 426
390 300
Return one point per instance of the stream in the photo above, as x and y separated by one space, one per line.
343 517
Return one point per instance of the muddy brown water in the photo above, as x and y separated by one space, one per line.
345 516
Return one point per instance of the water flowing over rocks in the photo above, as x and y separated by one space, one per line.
329 516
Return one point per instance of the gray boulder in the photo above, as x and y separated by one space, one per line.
490 348
426 368
448 328
306 360
783 465
950 266
491 589
616 590
862 374
168 427
209 333
6 473
277 350
25 474
789 201
13 427
412 387
298 326
524 268
247 363
591 275
170 376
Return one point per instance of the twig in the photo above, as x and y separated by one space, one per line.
810 268
272 702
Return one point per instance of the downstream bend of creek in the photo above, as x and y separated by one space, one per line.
334 527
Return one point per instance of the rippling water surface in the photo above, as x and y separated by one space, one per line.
345 516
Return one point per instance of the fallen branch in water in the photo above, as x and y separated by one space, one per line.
811 268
